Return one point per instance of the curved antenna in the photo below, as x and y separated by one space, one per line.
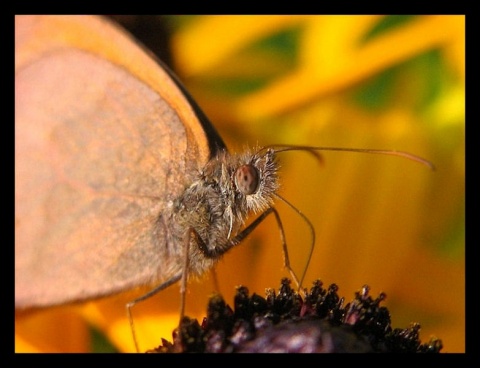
312 231
283 148
286 147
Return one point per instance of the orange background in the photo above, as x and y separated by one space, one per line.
389 82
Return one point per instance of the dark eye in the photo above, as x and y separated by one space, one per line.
246 179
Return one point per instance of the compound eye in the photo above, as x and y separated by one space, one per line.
246 179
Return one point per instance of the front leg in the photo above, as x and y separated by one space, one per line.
220 249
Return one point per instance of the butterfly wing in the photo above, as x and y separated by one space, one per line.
104 139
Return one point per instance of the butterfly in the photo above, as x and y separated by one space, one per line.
120 179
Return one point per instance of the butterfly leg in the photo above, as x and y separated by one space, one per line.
130 305
221 249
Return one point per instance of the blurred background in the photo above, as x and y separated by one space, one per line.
380 82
